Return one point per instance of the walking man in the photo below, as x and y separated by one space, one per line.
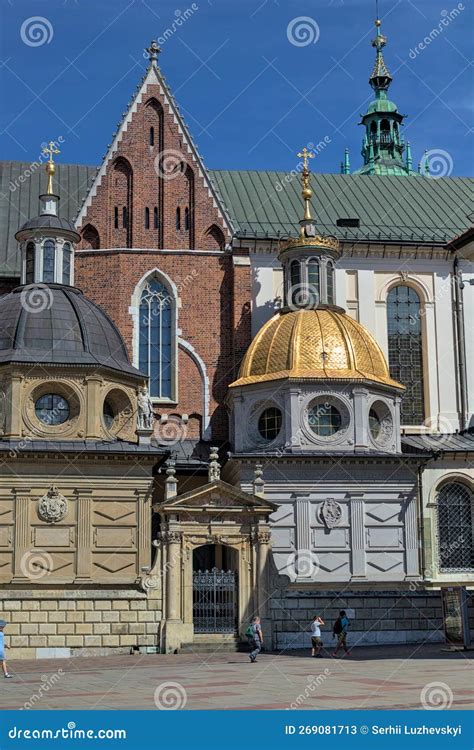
340 629
256 639
316 640
3 625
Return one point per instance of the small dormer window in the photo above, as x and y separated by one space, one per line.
49 258
30 263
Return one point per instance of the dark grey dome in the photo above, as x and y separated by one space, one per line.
49 221
55 324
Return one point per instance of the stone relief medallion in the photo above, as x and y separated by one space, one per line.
330 513
52 507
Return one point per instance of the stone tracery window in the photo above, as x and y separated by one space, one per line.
455 528
405 350
156 338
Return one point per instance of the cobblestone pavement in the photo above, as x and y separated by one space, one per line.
394 677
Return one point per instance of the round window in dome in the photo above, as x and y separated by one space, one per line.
375 424
52 409
108 414
324 419
269 423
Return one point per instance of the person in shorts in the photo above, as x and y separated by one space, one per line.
316 640
341 626
3 625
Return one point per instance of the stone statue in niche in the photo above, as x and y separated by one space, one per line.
52 507
330 513
145 410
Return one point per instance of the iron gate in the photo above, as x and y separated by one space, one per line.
214 601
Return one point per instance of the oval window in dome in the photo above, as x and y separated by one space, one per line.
108 414
374 424
269 423
52 409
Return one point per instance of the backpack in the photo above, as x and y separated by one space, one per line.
337 628
249 632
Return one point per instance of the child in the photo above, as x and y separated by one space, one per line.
316 641
340 629
3 625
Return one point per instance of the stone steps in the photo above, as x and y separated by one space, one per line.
212 644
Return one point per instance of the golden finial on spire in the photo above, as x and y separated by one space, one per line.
305 179
49 150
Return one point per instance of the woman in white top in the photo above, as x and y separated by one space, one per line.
316 640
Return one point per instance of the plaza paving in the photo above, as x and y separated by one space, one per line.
377 678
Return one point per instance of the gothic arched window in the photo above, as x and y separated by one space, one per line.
147 218
455 528
152 136
67 255
49 257
30 263
178 218
156 343
405 350
186 219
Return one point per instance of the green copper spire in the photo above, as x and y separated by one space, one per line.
383 145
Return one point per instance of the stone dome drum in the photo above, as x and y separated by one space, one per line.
322 344
55 324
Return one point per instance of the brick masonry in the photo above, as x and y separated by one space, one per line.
214 292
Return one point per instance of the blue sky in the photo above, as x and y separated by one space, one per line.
251 96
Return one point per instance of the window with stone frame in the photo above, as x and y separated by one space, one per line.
405 350
455 506
156 338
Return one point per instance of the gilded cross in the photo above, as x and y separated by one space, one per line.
51 149
305 155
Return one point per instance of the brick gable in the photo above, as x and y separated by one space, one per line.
152 190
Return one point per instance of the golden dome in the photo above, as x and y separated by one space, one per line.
321 343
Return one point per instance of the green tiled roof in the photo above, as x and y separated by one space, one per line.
388 207
264 204
20 185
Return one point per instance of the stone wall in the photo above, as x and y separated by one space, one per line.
377 617
64 624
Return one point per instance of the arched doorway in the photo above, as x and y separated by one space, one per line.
215 589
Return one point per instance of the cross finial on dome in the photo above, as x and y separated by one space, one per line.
49 150
305 179
153 52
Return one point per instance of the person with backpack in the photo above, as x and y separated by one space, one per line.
316 640
255 637
340 629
